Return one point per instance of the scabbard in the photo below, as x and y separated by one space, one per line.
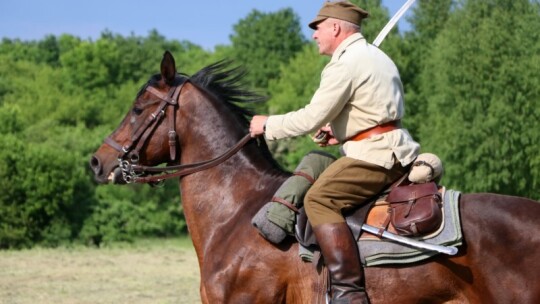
450 250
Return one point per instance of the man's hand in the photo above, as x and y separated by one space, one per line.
325 137
256 126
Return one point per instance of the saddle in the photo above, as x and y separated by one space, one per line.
404 209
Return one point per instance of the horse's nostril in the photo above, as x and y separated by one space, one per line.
95 164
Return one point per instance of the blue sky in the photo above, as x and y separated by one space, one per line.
206 23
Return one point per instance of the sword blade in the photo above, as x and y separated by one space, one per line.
450 250
386 29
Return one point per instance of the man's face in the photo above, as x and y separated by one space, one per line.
325 36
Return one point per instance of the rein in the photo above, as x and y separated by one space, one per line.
182 170
132 173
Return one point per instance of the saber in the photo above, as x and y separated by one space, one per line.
450 250
386 29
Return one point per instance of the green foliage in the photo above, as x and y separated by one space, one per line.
55 113
9 116
471 73
38 201
264 41
133 211
300 78
429 18
91 65
481 86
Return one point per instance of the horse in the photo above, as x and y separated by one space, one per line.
225 177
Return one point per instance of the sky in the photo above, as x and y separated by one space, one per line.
205 23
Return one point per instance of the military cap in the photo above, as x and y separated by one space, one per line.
343 10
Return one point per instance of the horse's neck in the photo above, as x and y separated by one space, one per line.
218 200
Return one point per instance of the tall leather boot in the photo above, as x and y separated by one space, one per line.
340 254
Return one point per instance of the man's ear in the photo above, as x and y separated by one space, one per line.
336 29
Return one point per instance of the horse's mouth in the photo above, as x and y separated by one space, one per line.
116 176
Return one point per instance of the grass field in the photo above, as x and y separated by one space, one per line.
149 271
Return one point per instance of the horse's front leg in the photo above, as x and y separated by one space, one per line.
204 298
243 284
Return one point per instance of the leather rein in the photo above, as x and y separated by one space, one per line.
129 153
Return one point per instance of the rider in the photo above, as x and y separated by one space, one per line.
360 97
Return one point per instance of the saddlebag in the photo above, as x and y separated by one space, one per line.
415 209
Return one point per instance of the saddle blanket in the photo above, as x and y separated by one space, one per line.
375 251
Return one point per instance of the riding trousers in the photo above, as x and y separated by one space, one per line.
346 184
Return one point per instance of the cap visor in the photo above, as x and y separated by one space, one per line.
317 20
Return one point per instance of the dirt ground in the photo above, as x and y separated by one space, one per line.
157 271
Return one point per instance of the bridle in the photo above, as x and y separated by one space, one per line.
129 153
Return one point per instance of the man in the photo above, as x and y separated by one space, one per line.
360 97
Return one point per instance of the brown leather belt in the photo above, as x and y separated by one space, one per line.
380 129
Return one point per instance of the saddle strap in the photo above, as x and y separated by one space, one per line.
384 226
286 203
411 193
310 179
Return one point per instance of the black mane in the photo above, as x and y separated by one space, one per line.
226 84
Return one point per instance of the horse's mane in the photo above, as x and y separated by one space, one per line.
225 82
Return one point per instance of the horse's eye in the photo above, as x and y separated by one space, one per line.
137 111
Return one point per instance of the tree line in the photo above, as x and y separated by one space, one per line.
471 74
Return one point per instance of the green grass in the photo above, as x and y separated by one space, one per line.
146 271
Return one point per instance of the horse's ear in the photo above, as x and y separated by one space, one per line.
168 68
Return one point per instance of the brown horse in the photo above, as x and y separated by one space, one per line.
193 125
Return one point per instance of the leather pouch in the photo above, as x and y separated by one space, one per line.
415 209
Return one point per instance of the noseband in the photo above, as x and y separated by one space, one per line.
129 153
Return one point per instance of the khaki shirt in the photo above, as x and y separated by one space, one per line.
360 88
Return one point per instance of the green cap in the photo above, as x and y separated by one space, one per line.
343 10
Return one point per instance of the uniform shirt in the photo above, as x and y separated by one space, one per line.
360 88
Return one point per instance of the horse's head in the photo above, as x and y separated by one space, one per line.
147 133
200 116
